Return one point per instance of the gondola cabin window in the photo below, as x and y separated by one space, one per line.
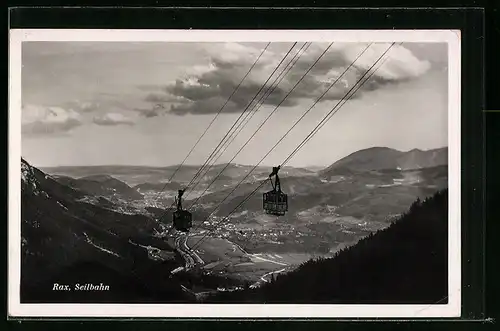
182 220
275 203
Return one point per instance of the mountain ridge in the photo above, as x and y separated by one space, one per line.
195 167
101 185
59 229
380 158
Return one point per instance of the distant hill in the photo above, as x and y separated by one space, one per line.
370 195
379 158
405 263
315 168
136 175
375 158
339 210
102 185
131 175
172 186
83 171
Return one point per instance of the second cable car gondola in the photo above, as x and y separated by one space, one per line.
182 219
275 201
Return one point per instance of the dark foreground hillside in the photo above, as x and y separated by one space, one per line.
68 242
123 286
404 263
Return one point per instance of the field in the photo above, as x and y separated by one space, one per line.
225 258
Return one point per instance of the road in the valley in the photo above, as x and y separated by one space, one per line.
193 260
190 256
263 278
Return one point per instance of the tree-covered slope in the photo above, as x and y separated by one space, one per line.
404 263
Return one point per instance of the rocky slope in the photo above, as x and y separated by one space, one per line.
62 236
102 185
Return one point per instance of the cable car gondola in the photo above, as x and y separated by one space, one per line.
275 201
182 219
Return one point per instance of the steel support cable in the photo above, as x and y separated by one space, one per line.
227 217
248 174
274 110
250 114
246 119
271 89
213 120
286 160
331 114
216 148
237 120
303 115
269 93
197 174
336 108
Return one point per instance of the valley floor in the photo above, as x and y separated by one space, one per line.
224 258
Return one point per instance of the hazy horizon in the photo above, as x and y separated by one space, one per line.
217 164
146 104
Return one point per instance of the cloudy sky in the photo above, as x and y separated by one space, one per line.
148 103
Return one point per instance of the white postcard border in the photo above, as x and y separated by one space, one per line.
452 309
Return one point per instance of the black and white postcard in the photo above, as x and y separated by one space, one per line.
234 173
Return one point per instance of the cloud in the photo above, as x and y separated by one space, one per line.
89 106
40 120
204 89
110 119
82 106
157 98
156 110
207 106
163 98
156 104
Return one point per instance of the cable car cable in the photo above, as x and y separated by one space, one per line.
247 117
252 114
276 108
225 218
317 60
305 113
237 120
216 148
317 100
296 84
330 114
213 120
337 107
286 160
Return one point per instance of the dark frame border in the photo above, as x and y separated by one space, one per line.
470 21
